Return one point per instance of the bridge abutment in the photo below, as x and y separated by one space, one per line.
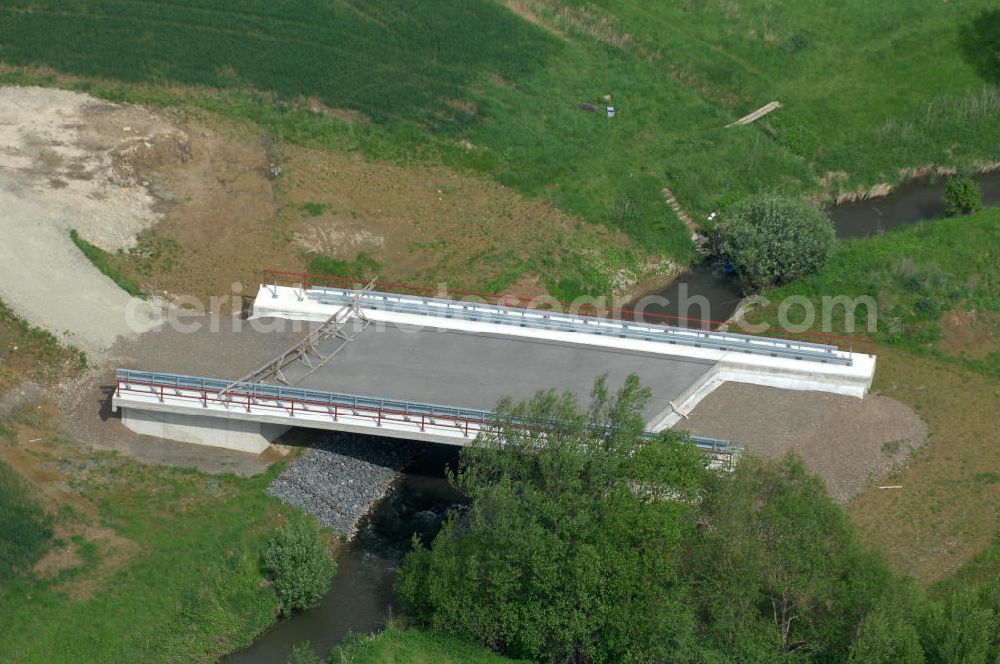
227 432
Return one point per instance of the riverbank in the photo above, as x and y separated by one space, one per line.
147 562
361 599
341 476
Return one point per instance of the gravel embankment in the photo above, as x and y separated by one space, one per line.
848 442
340 478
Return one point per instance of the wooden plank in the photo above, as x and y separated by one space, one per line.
756 115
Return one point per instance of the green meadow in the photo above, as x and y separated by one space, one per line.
868 89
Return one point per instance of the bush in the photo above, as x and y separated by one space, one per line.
772 240
555 558
962 195
300 565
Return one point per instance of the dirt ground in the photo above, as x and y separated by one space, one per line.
193 206
423 224
848 442
971 332
948 510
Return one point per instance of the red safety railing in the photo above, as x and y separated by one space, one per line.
306 280
289 406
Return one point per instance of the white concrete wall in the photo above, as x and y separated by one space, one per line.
227 432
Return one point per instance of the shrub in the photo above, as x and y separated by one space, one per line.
962 195
772 240
554 559
300 565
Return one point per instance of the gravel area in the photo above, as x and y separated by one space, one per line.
67 162
341 476
848 442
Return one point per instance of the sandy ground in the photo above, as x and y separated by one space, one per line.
848 442
63 168
47 280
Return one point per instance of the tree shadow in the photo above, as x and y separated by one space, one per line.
979 44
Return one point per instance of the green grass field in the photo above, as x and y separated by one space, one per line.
868 89
25 529
179 580
917 275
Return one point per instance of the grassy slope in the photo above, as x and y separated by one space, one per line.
168 559
436 73
947 511
868 88
190 589
104 262
413 646
916 274
28 352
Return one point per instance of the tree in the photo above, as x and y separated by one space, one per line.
780 572
886 638
772 240
965 627
571 548
962 195
300 565
979 43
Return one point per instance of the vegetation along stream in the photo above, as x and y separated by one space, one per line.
910 202
361 598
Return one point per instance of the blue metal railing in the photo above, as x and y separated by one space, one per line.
488 313
239 391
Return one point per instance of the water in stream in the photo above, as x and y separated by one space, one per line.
704 297
909 202
718 291
361 598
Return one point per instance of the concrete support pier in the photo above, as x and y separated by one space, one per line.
231 433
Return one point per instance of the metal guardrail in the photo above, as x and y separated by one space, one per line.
306 281
241 393
488 313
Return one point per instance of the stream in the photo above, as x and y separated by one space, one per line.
361 598
913 201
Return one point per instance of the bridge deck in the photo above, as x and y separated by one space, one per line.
475 370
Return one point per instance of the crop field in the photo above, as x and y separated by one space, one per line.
477 86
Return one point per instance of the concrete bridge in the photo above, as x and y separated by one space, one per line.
428 368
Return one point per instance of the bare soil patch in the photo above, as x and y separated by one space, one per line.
423 223
970 332
848 442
